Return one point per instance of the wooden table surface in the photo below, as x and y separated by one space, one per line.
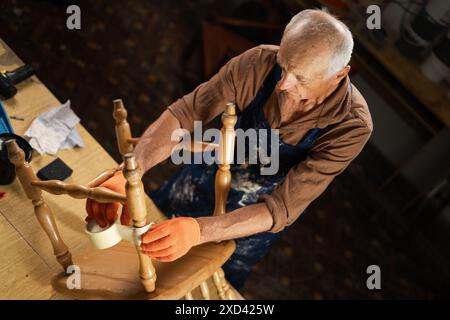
27 262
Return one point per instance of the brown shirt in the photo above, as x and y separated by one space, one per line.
344 115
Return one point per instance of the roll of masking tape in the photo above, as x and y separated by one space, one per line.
103 238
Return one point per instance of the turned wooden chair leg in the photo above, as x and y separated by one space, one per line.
123 131
43 212
138 213
222 285
222 185
189 296
134 189
205 290
226 155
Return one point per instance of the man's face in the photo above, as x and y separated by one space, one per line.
305 78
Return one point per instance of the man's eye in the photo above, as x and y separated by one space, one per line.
300 79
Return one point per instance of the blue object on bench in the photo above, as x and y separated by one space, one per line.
5 125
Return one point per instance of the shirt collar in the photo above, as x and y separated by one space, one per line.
336 106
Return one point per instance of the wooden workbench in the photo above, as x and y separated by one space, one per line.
27 262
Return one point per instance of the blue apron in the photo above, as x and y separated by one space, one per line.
190 192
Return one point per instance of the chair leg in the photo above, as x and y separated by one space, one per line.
205 290
223 288
189 296
138 213
42 211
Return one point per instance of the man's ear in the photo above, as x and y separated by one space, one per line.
343 73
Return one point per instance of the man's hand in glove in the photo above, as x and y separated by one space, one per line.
106 213
171 239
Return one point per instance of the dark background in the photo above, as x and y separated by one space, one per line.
150 53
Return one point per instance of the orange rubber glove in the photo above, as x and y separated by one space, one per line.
106 213
171 239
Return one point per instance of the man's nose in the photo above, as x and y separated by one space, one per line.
286 81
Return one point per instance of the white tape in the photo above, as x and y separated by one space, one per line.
112 235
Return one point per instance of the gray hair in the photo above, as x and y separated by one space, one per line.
313 26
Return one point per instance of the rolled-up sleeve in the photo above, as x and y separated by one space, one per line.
307 180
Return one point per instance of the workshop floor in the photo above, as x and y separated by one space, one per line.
138 52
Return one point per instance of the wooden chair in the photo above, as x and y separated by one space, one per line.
111 273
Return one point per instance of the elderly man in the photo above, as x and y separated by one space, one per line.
300 88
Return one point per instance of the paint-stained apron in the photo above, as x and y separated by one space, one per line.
190 192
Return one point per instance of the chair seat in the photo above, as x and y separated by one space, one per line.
113 273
